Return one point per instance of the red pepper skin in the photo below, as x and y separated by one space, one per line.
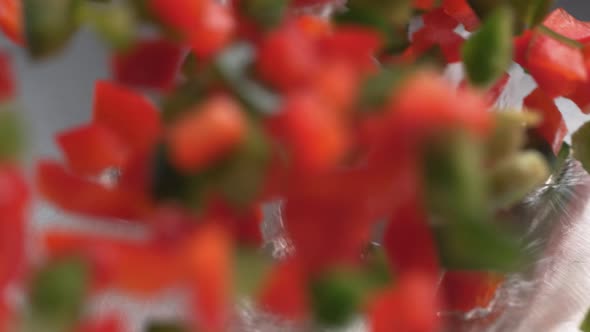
410 305
120 264
6 317
313 26
243 225
580 95
438 19
7 87
466 290
130 116
449 42
91 149
409 243
356 45
552 127
11 20
568 26
81 195
494 92
462 12
424 4
208 259
206 25
337 84
307 223
14 197
438 30
206 134
150 64
284 292
286 57
316 138
556 67
214 30
180 14
521 47
415 118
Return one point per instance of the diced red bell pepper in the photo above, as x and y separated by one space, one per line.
5 317
243 225
409 242
449 42
147 269
128 114
412 117
581 96
317 139
566 25
521 47
149 64
461 11
91 149
286 57
123 264
308 222
101 252
494 92
213 31
209 261
408 306
424 4
284 291
438 30
355 44
439 19
552 127
171 223
179 14
14 193
337 84
81 195
467 290
11 20
206 134
556 67
14 196
314 26
7 88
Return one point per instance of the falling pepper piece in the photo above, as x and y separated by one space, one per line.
129 115
566 25
284 291
208 259
91 149
468 290
552 127
213 31
206 134
410 305
409 242
557 67
11 20
148 64
7 86
78 194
